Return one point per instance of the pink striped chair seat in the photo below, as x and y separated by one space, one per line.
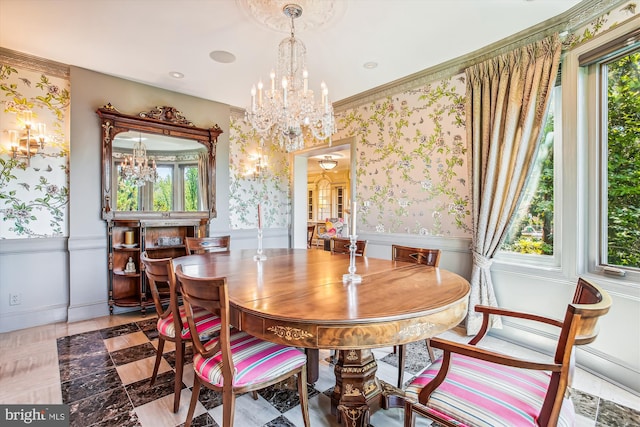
479 393
206 323
255 360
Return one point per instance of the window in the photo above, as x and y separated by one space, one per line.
532 229
310 204
340 202
324 200
163 189
619 150
127 196
190 188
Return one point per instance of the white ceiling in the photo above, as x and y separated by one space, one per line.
144 40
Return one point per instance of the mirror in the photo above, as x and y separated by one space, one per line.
156 165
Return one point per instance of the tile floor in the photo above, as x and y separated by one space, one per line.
101 367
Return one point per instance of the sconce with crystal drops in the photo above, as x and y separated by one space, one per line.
28 141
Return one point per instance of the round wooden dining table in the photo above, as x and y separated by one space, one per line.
297 297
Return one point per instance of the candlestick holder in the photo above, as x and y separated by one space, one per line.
259 256
352 277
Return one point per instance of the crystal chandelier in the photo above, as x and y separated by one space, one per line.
286 112
136 168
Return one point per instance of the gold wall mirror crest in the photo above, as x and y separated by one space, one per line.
156 164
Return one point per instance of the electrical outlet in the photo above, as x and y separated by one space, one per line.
15 299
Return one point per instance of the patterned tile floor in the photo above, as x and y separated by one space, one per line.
101 368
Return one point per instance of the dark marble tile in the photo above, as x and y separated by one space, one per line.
281 421
74 346
585 404
116 331
131 354
209 398
149 327
204 420
170 356
283 398
83 365
611 414
328 392
141 393
122 419
100 407
90 385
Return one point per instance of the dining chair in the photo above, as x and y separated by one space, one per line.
311 229
158 277
235 362
418 256
201 245
340 245
478 387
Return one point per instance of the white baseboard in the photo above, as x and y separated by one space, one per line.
29 318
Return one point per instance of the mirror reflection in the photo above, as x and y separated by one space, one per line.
159 173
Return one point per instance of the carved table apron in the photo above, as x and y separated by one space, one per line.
296 297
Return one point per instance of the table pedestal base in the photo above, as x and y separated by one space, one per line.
356 387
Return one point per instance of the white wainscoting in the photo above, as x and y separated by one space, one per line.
37 271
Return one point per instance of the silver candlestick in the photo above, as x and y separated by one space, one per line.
352 277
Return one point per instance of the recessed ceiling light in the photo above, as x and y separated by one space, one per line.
370 65
222 56
176 74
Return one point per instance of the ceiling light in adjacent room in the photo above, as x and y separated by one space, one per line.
328 163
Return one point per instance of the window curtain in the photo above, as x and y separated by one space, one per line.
203 181
507 98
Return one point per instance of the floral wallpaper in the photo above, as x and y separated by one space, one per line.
268 186
34 195
411 161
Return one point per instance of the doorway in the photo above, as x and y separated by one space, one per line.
321 192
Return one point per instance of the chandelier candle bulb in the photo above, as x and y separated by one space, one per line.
273 81
305 76
260 93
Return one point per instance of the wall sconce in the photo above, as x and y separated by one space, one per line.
328 163
258 168
27 142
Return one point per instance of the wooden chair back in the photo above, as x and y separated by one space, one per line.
211 295
311 229
340 245
579 327
201 245
416 255
161 284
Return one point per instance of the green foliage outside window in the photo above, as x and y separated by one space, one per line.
163 193
191 188
623 161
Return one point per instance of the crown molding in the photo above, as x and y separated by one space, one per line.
570 20
34 63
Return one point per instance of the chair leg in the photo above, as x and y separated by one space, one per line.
254 394
401 354
409 416
195 392
228 406
304 397
432 356
177 381
156 366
